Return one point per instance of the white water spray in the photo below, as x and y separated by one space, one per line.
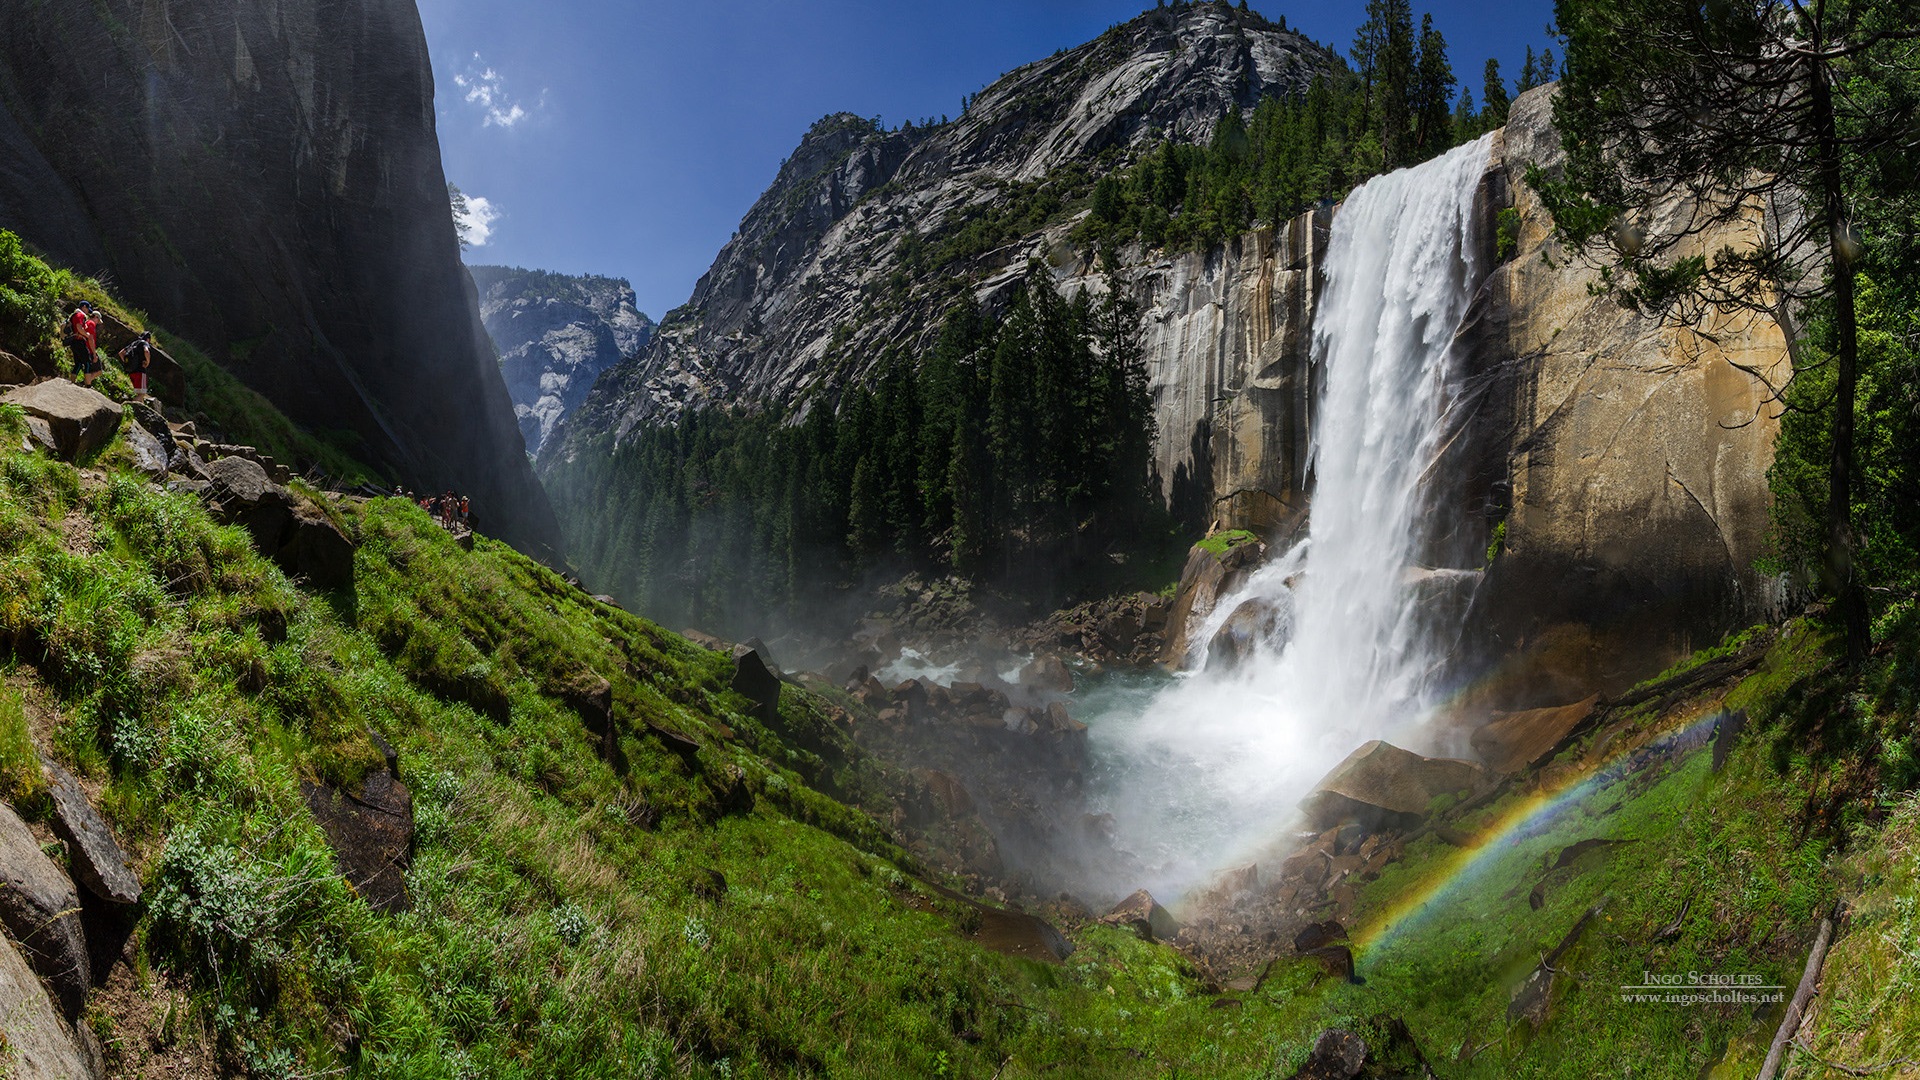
1214 766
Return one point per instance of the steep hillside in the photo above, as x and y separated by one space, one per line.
266 180
866 236
555 334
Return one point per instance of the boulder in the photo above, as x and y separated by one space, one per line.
1387 1052
755 681
1144 915
1061 724
41 911
1382 786
285 527
39 1044
15 371
1519 740
371 833
148 415
149 454
79 420
1017 933
1258 620
1318 935
99 862
1207 577
1047 672
1335 960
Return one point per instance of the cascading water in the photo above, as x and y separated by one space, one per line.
1215 764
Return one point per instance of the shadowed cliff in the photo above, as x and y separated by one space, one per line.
266 179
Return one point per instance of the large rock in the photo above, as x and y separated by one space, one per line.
755 681
1387 1053
1144 916
265 179
1210 575
371 832
38 1045
1628 457
1515 741
285 527
1381 785
79 419
1257 621
149 454
41 911
15 371
99 862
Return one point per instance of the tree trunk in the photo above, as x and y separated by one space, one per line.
1850 596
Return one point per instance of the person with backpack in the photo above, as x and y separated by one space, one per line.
138 357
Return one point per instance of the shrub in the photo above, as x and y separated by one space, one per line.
30 293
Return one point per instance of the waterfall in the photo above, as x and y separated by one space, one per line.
1213 766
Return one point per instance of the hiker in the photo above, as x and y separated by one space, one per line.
465 509
138 356
80 341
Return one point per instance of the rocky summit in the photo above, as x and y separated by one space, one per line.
830 266
555 334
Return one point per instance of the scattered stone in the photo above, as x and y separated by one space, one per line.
1318 935
149 455
1335 960
15 371
41 911
1517 741
1382 786
371 834
39 1044
1144 915
78 420
99 862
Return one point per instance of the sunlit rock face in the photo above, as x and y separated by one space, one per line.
1636 455
555 334
265 179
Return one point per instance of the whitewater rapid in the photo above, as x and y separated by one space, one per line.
1204 772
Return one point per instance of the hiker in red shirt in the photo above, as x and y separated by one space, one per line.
80 340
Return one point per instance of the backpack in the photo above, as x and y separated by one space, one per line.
145 350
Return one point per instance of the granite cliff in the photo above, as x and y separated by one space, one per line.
555 334
265 179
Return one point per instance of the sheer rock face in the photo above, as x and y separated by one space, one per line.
265 179
1635 454
817 282
555 335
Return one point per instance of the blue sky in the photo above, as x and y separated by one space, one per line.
628 137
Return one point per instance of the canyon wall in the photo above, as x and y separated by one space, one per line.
264 178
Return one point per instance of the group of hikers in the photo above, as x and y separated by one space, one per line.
446 508
83 341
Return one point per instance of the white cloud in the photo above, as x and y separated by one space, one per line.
486 90
475 220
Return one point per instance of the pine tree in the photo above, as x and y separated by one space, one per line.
1493 92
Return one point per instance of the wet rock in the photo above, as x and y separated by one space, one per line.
99 862
41 911
371 833
1382 786
1047 673
1257 621
1516 741
1143 914
77 420
1203 581
755 681
38 1043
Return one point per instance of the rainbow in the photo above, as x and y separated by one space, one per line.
1452 874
